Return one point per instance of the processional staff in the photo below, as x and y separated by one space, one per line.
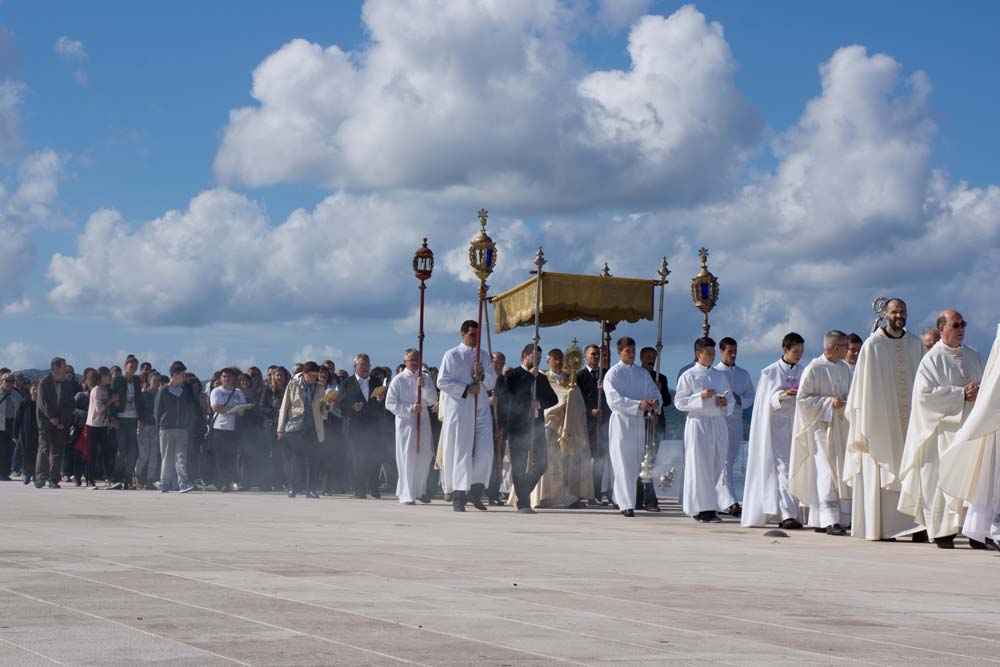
423 265
539 263
604 341
649 459
482 258
704 290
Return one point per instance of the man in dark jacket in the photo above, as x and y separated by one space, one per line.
55 414
175 411
597 417
528 456
26 432
366 419
129 388
10 402
645 496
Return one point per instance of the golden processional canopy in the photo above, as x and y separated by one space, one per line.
565 297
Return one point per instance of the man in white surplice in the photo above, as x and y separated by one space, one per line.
703 392
743 394
943 395
466 435
878 410
401 400
630 392
970 464
765 493
819 438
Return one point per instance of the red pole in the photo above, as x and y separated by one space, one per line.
420 362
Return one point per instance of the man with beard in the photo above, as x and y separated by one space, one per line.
878 410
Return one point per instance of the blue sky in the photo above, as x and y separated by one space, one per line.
139 116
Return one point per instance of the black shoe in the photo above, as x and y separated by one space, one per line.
710 517
835 529
992 545
54 485
359 496
650 508
410 502
579 504
291 494
526 510
977 545
76 482
945 542
920 537
26 480
790 524
628 512
458 501
735 510
820 530
425 499
376 494
478 504
39 483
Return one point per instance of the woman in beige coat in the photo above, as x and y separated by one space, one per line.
300 424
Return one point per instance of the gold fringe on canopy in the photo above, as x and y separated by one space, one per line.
567 297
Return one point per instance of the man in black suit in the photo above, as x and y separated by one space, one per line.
55 414
365 419
597 415
520 413
498 399
645 491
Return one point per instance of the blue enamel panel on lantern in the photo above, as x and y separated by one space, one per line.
704 291
489 257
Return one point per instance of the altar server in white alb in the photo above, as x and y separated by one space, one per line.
819 438
970 464
742 399
766 495
466 434
944 392
630 392
703 392
401 400
878 411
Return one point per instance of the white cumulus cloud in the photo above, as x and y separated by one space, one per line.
488 102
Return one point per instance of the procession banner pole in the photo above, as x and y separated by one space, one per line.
539 262
423 265
649 459
605 272
497 442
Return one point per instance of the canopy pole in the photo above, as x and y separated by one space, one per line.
536 356
604 339
649 459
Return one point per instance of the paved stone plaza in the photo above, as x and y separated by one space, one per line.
135 578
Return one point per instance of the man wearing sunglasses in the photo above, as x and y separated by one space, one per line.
945 390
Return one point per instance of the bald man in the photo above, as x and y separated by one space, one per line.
944 392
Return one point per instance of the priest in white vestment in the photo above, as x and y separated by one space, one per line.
703 392
819 438
569 479
878 411
630 392
766 495
742 395
466 434
944 392
401 400
970 464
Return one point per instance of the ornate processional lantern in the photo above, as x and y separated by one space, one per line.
482 258
423 266
704 290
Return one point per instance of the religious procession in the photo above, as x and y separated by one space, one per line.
883 438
